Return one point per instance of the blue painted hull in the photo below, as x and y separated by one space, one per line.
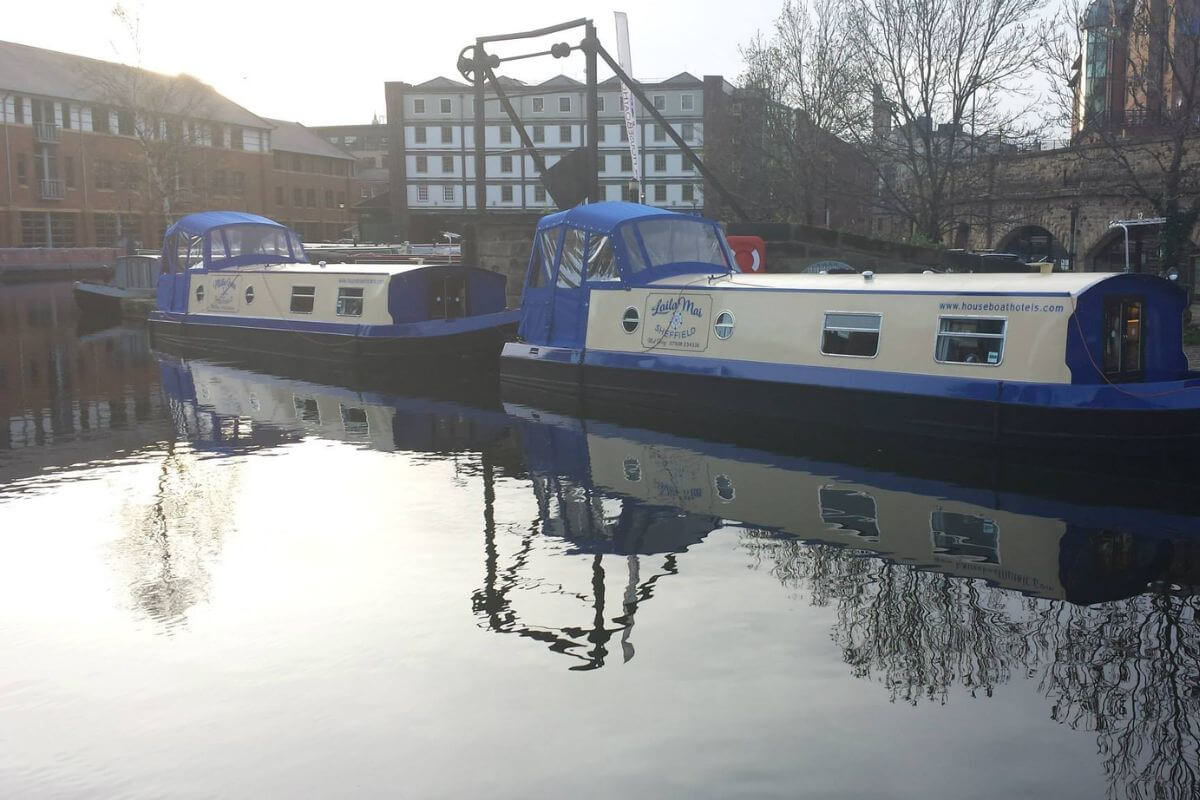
1108 418
476 337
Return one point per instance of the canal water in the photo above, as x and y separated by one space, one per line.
223 581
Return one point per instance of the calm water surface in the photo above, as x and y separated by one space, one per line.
218 582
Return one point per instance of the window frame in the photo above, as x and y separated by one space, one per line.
312 296
564 100
342 295
418 105
1003 337
825 328
445 106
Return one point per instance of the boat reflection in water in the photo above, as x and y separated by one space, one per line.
937 589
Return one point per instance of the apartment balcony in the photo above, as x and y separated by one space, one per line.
45 132
51 189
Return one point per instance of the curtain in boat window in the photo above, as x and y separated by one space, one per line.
570 264
674 241
600 263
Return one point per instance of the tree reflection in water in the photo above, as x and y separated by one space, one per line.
1126 669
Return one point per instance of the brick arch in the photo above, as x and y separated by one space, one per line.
1033 242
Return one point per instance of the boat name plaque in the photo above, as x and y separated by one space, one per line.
223 294
677 321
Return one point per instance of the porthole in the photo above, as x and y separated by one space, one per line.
723 327
724 486
200 293
249 295
630 320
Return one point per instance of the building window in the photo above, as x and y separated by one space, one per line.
626 162
506 194
125 123
448 194
851 335
687 102
419 134
423 194
539 194
349 301
447 164
970 340
418 105
447 134
689 193
310 198
660 133
104 174
297 163
685 163
444 105
422 164
624 133
303 299
298 197
689 131
219 184
341 198
506 164
660 193
660 162
600 103
19 110
506 132
564 134
660 102
539 104
236 139
278 195
329 198
564 104
22 170
539 133
100 119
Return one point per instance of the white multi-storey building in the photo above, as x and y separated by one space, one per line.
432 143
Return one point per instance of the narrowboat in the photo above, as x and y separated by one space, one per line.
135 277
627 304
243 283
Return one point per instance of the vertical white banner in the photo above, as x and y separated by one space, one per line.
627 106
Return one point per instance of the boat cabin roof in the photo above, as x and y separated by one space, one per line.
1060 284
222 239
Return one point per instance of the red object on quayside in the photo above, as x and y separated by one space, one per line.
749 253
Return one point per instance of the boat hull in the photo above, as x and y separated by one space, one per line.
805 409
481 339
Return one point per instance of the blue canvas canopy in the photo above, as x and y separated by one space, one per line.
604 217
219 239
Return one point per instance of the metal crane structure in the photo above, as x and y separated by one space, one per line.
576 177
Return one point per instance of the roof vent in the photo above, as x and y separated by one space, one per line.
321 264
868 275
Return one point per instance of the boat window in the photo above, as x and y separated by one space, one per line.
189 250
297 248
848 334
1122 337
965 537
637 261
970 340
256 240
307 409
350 301
848 510
303 298
570 264
354 419
674 241
600 264
543 265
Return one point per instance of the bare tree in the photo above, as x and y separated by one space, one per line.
1134 102
802 80
163 115
946 78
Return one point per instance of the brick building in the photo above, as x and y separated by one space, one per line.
83 163
313 183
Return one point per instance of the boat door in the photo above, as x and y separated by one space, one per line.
537 301
447 296
568 322
1123 341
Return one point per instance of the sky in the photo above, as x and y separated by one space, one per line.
325 63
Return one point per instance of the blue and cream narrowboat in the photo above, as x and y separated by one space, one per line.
243 283
636 306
